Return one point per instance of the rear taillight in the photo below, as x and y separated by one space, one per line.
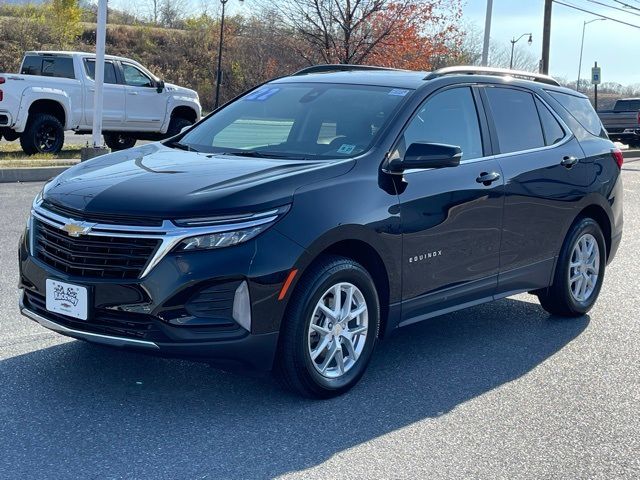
2 80
617 156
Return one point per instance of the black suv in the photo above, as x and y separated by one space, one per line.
303 221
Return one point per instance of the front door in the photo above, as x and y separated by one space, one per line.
451 217
146 107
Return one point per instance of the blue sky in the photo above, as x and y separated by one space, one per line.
614 46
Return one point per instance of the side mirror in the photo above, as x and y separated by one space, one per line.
184 129
427 155
160 86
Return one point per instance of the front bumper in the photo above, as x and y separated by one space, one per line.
157 314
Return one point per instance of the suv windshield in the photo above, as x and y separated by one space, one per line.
299 120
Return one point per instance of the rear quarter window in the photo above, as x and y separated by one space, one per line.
48 66
580 108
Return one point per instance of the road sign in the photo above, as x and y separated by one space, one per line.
595 76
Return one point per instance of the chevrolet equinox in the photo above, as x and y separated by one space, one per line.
300 223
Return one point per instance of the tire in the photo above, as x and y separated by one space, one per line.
176 125
10 135
295 367
119 141
564 297
44 134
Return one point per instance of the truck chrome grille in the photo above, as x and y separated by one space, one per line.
93 256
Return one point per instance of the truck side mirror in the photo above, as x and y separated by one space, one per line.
160 86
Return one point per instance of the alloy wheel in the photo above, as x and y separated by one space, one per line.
338 330
584 268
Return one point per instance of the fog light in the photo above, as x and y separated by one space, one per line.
242 306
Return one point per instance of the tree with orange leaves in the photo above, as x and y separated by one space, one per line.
399 33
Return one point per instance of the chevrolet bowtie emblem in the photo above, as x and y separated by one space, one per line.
75 229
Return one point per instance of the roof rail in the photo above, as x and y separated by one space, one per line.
337 68
536 77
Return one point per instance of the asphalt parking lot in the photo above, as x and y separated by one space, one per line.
496 391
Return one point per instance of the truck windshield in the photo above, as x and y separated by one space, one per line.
299 120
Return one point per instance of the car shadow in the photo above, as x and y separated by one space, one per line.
80 410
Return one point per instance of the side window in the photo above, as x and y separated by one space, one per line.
109 71
135 77
516 119
553 131
449 117
32 65
580 108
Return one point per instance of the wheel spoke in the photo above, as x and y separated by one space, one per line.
348 301
321 330
320 348
330 314
359 330
337 301
339 358
330 356
348 343
356 312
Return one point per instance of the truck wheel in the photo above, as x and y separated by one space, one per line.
119 141
10 135
330 329
176 125
44 134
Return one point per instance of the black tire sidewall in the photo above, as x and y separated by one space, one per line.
337 273
112 141
29 140
584 226
176 125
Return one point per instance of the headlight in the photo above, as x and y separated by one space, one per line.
220 240
227 231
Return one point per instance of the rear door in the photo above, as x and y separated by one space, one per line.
146 107
451 220
545 175
113 109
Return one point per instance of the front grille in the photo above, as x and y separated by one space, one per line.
92 256
104 322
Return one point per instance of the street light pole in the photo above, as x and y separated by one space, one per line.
513 44
98 76
219 70
487 33
584 26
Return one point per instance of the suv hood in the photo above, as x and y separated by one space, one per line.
158 182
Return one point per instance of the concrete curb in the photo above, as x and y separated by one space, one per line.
37 174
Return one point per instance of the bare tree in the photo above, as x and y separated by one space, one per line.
347 31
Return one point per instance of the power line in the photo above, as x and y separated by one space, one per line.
626 5
595 14
616 8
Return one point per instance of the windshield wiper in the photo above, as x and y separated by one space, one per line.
182 146
258 154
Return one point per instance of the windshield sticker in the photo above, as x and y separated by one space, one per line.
398 92
262 94
346 148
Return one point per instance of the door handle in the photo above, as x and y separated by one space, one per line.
91 89
569 161
487 178
133 93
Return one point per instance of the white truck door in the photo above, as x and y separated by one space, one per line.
113 110
145 106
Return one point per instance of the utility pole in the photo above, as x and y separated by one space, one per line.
97 147
546 36
219 72
487 34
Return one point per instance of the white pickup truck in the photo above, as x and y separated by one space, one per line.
54 92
